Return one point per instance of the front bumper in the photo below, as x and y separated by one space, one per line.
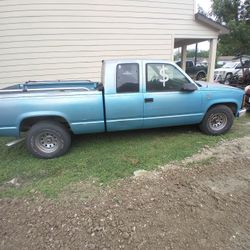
219 76
241 113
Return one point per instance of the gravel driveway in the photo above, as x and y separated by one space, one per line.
200 203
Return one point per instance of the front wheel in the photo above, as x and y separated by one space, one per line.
48 139
217 121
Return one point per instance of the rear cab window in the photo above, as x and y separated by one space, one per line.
127 78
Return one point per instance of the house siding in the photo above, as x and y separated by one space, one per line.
68 39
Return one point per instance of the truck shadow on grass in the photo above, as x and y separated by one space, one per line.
144 134
240 128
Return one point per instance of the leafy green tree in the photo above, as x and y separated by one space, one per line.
235 14
191 54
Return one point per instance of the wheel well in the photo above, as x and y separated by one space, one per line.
232 106
200 72
27 123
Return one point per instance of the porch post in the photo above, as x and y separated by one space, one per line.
212 59
183 57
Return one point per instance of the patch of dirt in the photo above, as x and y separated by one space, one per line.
200 203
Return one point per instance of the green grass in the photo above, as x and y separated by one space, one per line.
103 157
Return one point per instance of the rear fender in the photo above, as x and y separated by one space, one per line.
39 115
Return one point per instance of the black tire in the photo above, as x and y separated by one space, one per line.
48 139
218 120
200 76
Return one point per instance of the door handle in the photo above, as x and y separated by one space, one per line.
148 100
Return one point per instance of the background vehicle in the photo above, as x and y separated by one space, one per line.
197 72
135 94
226 72
235 72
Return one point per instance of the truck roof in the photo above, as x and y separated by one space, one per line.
137 61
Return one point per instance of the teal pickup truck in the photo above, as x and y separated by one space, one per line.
133 94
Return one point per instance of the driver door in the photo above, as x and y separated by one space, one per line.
165 103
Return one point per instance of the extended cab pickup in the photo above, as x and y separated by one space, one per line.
133 94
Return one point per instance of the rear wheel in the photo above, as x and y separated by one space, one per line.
48 139
218 120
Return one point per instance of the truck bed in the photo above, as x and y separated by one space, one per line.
77 102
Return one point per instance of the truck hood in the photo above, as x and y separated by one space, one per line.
217 86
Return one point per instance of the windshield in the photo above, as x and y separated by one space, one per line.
230 65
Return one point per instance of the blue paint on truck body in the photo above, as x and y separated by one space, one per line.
87 109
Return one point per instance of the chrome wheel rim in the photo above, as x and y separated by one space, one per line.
217 121
47 142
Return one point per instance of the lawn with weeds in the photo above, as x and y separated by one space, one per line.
103 157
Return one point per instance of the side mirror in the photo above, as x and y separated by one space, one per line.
188 87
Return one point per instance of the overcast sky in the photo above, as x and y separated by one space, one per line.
205 4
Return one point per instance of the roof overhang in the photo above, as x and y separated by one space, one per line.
222 29
179 42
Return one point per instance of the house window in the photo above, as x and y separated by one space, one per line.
127 78
164 77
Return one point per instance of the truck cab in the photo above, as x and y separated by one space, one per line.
150 93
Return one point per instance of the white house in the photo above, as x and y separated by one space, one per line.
68 39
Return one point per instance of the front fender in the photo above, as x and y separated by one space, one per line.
223 102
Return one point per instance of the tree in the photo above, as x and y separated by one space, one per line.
235 14
191 54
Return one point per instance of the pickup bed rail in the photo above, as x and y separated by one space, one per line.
40 86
